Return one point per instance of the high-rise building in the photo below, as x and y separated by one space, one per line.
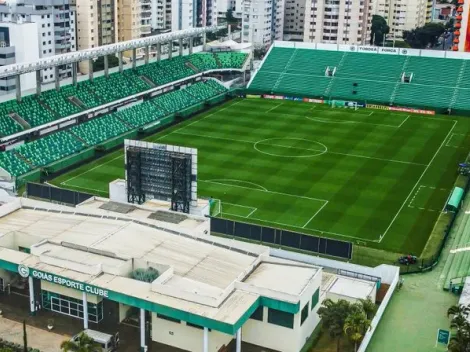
96 25
55 22
403 15
337 21
18 44
262 22
294 20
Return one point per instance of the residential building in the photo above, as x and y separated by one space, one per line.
335 21
294 20
262 22
55 20
404 15
15 47
188 13
96 25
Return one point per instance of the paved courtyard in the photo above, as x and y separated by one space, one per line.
37 338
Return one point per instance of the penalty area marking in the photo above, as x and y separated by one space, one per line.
451 137
253 209
412 206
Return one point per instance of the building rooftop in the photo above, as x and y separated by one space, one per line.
215 278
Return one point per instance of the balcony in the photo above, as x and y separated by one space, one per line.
63 45
145 29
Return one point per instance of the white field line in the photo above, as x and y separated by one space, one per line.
451 137
255 209
404 121
313 150
88 189
410 204
316 213
274 107
417 183
65 183
372 113
267 191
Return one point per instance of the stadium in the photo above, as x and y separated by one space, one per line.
350 152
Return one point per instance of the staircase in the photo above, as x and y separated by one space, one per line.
218 61
341 62
457 85
326 94
20 120
278 81
395 89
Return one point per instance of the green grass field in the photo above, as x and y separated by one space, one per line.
373 177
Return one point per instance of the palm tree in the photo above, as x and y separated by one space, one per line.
369 307
459 342
83 343
458 309
333 315
356 325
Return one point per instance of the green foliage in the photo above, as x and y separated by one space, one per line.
229 17
424 37
146 275
342 317
460 339
379 30
98 65
84 343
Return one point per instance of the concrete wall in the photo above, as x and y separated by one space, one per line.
186 337
123 309
69 292
280 338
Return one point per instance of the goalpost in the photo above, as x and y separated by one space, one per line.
344 104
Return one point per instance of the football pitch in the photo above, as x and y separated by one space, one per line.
373 177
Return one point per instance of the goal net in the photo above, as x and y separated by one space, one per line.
344 104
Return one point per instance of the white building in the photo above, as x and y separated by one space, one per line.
403 15
96 25
208 292
16 47
55 21
336 21
262 22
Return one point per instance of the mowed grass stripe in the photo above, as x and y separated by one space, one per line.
363 194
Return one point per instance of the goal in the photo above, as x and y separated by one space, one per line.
344 104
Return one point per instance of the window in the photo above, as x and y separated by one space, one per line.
196 326
304 314
315 298
280 318
43 25
43 43
161 316
258 314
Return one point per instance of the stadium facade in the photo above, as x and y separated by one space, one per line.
208 292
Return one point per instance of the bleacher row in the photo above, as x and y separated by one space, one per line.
436 82
52 105
56 146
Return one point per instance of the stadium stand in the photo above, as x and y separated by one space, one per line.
51 148
11 162
58 101
174 101
52 104
8 125
202 91
375 78
140 115
99 130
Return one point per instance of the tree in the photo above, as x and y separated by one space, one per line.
25 337
459 342
83 343
369 307
379 30
98 65
423 37
229 17
458 309
356 325
334 315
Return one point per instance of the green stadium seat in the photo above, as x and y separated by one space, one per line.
13 164
204 61
51 148
140 115
99 130
8 125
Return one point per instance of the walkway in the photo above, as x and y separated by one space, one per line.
415 312
40 339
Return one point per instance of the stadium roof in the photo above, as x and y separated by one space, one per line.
87 54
